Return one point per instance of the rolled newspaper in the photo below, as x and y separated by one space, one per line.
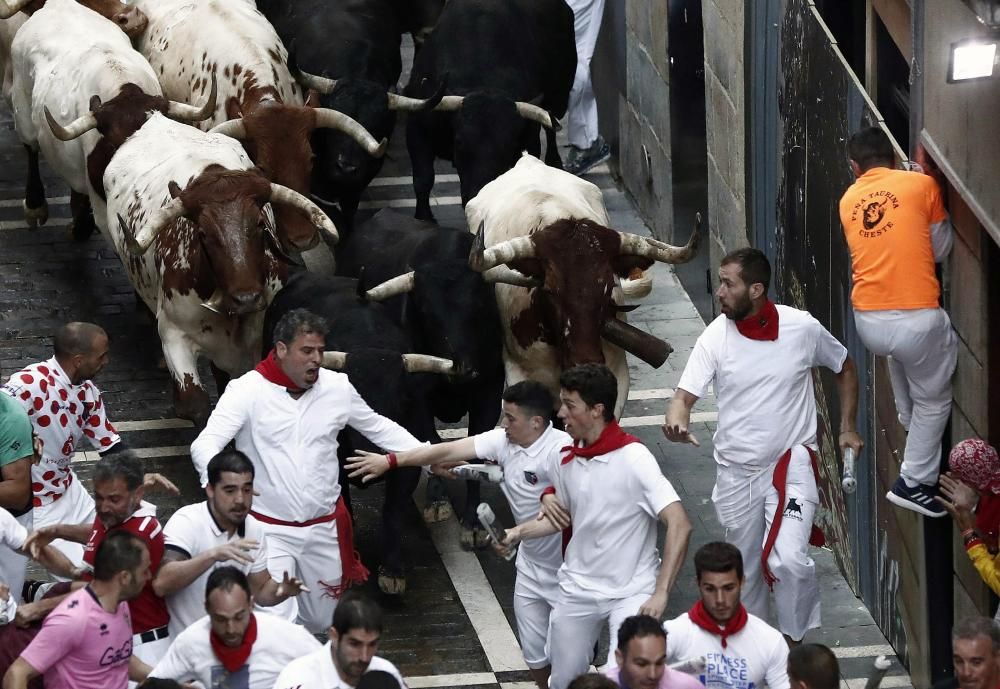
879 668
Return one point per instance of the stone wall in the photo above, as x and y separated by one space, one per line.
725 112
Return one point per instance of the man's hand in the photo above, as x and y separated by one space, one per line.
655 606
368 465
290 587
509 543
853 440
38 539
679 433
555 512
238 551
960 494
28 613
159 483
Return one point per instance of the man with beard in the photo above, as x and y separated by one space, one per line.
975 651
741 651
349 653
233 646
201 537
897 228
118 493
285 415
615 496
642 658
87 640
760 358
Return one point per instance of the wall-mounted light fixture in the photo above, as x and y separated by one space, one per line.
972 59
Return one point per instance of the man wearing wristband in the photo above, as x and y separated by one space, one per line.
526 446
615 495
760 358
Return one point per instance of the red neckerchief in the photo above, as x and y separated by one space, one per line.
235 658
612 438
763 325
271 370
701 618
778 480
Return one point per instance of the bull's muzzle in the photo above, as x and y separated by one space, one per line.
652 350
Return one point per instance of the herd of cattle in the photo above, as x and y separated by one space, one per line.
194 133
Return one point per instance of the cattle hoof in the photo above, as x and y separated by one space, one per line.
438 511
36 216
389 584
473 539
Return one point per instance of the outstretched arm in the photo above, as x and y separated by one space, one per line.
371 465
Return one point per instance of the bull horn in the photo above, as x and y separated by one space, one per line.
323 85
536 114
650 349
401 284
191 113
214 303
166 214
289 197
482 259
77 127
332 119
509 276
334 360
450 104
231 128
9 9
425 363
634 245
398 102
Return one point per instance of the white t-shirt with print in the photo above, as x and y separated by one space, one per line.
317 671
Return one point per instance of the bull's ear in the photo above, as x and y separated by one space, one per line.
233 109
532 267
95 103
623 265
312 98
174 189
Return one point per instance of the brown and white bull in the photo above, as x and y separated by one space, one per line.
72 64
553 226
260 103
188 214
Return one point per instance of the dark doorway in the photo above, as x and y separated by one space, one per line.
892 85
687 142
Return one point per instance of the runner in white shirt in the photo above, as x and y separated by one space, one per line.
65 406
613 493
233 646
349 654
526 447
741 650
761 359
201 537
285 415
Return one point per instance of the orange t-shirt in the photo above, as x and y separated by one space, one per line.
887 216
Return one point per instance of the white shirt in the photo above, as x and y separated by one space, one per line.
614 501
61 415
12 533
764 388
317 671
755 654
526 473
293 442
191 658
192 530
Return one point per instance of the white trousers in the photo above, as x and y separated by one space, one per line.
74 507
312 553
534 597
576 626
922 350
149 652
13 563
745 505
581 115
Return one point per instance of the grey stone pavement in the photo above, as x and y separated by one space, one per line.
454 625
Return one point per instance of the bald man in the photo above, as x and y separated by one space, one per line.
64 406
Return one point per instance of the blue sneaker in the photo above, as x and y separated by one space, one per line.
580 160
919 499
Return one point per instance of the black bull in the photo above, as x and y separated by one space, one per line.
448 311
373 343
